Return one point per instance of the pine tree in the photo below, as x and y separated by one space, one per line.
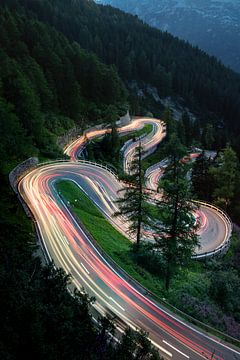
136 345
208 136
187 125
169 120
181 131
110 146
202 180
175 237
115 143
132 204
226 175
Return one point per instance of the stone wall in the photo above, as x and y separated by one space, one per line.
20 170
124 120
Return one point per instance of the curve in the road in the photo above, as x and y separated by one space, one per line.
70 248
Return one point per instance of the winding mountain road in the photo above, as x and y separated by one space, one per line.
70 248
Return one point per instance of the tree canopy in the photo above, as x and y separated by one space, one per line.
49 83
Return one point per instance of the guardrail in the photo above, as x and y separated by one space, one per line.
221 249
131 280
130 144
103 166
156 166
20 170
125 146
82 161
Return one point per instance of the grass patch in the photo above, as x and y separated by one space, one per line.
145 130
233 248
158 155
117 246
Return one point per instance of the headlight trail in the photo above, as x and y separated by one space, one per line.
71 249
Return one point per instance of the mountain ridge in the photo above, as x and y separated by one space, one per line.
212 25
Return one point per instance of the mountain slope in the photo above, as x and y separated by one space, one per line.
148 56
47 84
213 25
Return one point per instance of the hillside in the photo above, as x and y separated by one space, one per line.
146 55
48 84
212 25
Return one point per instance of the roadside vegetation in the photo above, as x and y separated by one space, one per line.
132 205
194 289
217 180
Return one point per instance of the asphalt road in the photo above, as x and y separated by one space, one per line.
71 249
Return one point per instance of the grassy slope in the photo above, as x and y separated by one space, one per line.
158 155
119 247
193 280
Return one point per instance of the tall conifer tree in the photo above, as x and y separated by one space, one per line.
132 204
175 234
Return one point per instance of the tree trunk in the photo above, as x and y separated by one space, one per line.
168 276
172 233
139 225
138 233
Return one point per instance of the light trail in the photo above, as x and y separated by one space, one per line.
70 248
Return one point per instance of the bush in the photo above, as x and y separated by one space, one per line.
225 290
149 259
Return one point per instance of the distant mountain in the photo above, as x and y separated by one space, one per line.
213 25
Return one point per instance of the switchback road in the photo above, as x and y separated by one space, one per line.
70 248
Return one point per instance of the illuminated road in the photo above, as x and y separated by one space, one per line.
213 227
71 249
149 142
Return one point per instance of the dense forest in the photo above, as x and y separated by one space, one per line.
48 84
147 55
